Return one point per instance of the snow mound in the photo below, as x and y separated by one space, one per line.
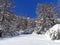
54 32
55 28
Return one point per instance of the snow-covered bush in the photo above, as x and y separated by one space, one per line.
54 32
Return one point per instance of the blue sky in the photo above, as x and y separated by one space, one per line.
28 7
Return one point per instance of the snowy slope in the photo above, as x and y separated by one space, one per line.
28 40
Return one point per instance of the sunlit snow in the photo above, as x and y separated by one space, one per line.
32 39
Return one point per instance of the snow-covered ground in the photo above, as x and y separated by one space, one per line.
31 39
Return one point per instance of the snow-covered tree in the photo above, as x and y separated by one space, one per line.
31 23
46 17
8 20
5 5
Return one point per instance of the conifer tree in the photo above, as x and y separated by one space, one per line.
8 21
46 17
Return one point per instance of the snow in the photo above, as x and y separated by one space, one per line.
30 39
53 31
55 27
28 31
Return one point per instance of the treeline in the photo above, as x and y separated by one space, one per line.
11 24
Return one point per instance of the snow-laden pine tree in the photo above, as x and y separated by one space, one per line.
8 21
46 17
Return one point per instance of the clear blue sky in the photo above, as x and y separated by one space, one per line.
28 7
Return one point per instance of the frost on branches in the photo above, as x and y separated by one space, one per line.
46 17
